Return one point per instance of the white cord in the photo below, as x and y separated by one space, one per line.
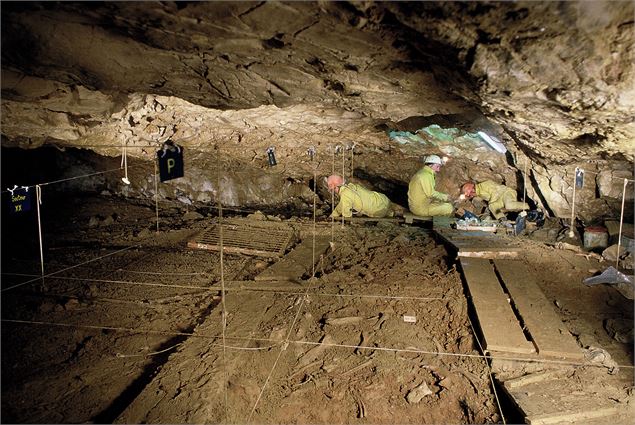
619 237
156 194
525 181
333 198
124 164
571 234
38 202
68 268
343 171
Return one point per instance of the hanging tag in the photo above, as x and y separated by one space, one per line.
19 200
271 156
170 161
311 152
579 178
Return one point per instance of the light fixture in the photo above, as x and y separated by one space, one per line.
495 144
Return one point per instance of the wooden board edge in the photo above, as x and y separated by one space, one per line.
208 247
572 417
511 255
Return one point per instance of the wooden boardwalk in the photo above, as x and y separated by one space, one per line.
517 322
472 243
546 330
499 325
513 313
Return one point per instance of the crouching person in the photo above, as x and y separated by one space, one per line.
499 198
355 197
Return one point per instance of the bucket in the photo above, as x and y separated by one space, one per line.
628 243
596 237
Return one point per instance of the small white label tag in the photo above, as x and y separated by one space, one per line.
410 319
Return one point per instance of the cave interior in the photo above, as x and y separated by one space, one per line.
130 129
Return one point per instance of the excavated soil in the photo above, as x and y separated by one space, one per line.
127 325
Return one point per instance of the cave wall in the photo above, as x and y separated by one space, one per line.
551 80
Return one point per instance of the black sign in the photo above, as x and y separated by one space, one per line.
579 178
170 161
19 200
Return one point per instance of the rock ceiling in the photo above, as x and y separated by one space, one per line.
551 80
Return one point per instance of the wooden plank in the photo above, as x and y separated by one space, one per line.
443 234
245 239
443 223
464 246
477 244
548 333
369 219
613 228
488 229
232 250
565 400
410 217
298 262
573 417
499 325
491 254
531 378
469 235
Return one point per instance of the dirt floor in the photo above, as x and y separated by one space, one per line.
127 326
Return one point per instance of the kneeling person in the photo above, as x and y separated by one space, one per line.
355 197
423 199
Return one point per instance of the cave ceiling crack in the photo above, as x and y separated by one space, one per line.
204 75
251 9
301 30
279 87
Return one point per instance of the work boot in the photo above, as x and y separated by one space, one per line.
520 225
536 216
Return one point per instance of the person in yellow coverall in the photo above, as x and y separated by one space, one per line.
497 196
423 199
355 197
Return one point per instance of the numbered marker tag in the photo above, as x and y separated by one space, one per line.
170 162
579 178
19 200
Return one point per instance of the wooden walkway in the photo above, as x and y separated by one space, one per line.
473 243
411 218
499 325
518 322
514 315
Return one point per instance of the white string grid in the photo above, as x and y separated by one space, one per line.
224 345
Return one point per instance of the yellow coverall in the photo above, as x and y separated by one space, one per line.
358 198
498 197
423 200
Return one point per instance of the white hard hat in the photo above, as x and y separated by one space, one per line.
433 159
